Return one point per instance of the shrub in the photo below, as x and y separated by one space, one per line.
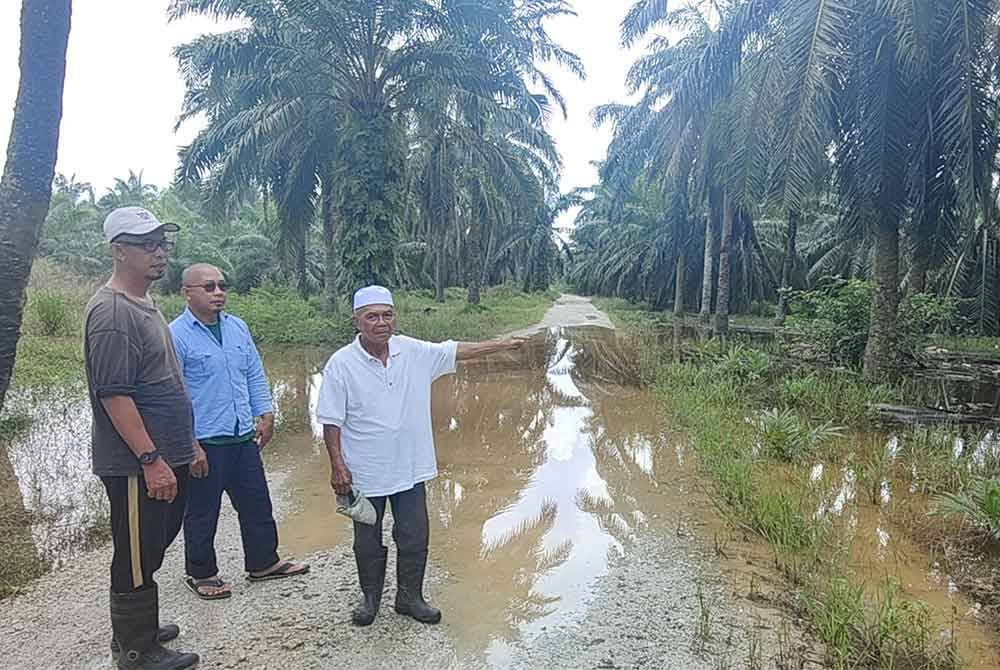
835 319
783 435
51 313
979 505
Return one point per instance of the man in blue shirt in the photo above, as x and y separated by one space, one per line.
225 379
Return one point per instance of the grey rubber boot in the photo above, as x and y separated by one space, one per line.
371 575
134 619
410 601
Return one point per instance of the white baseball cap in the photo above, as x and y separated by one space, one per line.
371 295
133 221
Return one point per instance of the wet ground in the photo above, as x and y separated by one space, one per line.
569 529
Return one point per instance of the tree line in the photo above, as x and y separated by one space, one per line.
412 132
777 142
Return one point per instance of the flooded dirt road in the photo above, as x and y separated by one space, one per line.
569 529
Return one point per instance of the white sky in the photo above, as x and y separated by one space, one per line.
123 92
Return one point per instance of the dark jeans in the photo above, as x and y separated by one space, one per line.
410 529
238 470
141 529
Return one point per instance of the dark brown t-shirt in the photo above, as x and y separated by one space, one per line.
130 352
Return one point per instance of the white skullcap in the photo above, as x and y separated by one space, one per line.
372 295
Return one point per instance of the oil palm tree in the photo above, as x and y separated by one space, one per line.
877 87
26 184
325 93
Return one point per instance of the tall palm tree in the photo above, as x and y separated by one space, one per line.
324 94
26 184
876 86
129 191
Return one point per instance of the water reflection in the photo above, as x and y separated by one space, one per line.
50 459
550 461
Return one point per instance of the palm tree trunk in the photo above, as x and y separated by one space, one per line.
26 185
787 265
881 352
474 263
474 253
679 287
439 271
301 272
331 250
711 226
725 247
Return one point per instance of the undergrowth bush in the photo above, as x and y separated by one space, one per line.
782 434
979 504
835 319
51 314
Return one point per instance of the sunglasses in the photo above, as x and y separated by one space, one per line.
149 246
210 286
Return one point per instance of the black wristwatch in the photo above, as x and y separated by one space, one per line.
148 457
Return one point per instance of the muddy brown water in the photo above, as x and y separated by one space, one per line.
552 462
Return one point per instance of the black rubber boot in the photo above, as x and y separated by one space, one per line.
163 634
410 588
371 574
134 619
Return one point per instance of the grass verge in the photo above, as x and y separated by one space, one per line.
759 425
711 399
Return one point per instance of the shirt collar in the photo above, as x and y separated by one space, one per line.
193 320
394 348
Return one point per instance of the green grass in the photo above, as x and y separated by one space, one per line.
630 315
50 350
47 361
279 316
970 343
502 309
710 396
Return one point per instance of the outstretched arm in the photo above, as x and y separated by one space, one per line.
469 350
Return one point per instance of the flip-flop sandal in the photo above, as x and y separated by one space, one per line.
215 582
283 569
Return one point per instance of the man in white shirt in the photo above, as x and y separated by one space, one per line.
375 408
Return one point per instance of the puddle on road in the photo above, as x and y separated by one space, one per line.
551 463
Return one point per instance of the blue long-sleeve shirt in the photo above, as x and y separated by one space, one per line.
226 382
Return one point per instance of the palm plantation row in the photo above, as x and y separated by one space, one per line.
778 142
414 131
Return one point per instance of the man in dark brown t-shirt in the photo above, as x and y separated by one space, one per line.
143 446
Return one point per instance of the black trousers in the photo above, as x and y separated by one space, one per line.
410 530
141 528
238 470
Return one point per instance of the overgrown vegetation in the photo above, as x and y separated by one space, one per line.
711 396
772 144
834 319
760 424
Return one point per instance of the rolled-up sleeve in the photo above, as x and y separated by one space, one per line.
260 393
114 362
331 406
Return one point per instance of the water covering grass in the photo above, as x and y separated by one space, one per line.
715 398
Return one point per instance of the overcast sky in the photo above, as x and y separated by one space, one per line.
123 92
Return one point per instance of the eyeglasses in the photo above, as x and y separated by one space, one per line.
149 246
210 286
